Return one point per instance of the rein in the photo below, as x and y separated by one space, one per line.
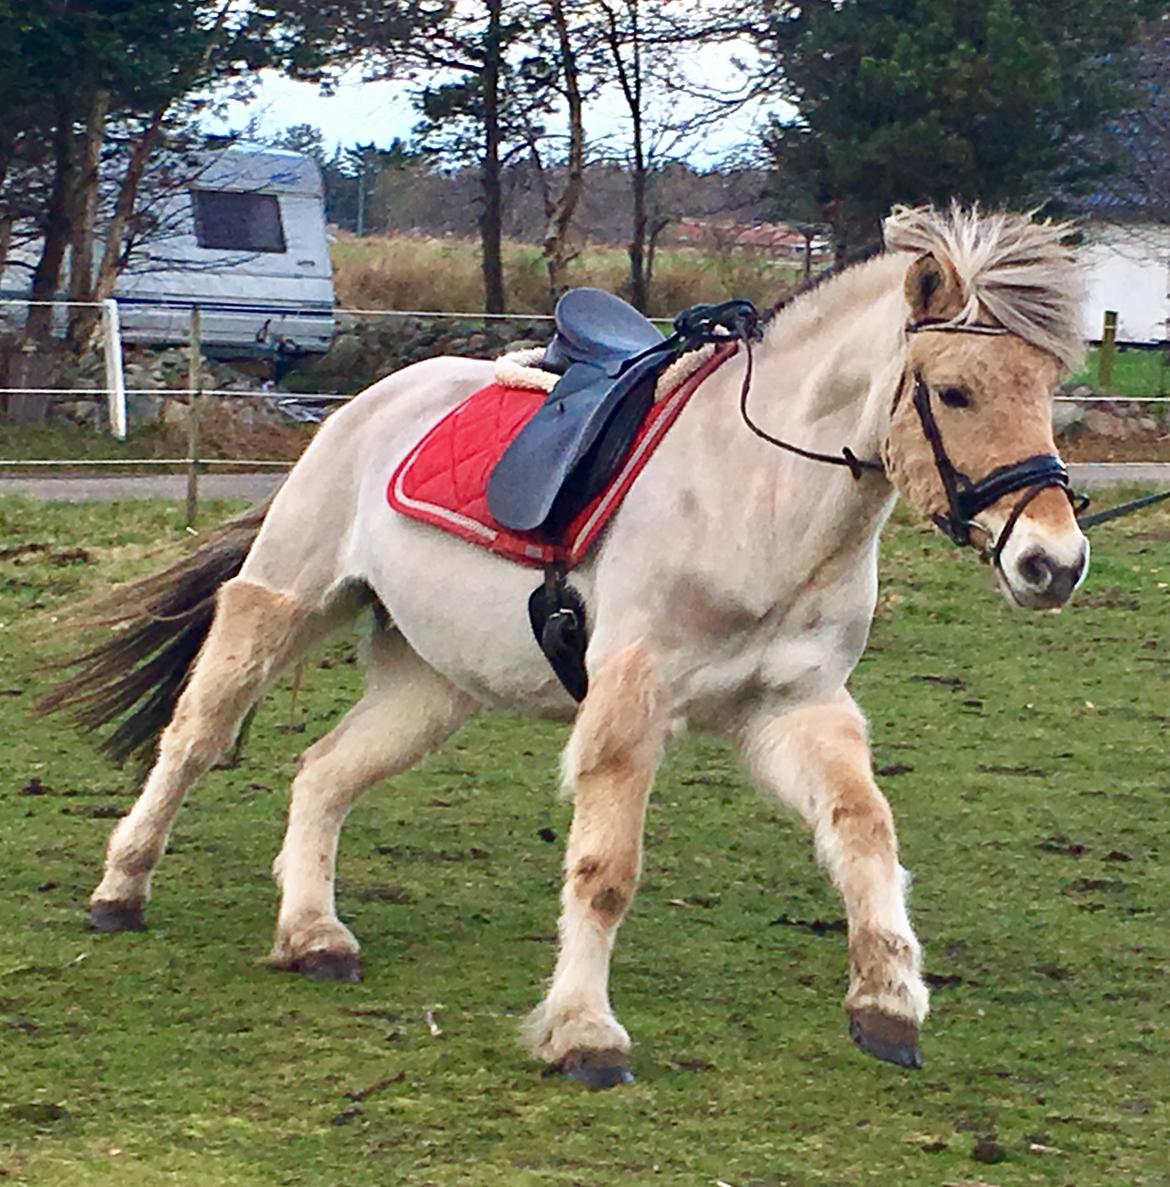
965 499
748 331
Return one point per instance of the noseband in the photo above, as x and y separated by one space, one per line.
966 499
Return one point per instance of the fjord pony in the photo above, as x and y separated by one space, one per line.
732 592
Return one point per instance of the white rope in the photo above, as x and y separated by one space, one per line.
86 463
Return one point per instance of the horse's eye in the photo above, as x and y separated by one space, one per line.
955 397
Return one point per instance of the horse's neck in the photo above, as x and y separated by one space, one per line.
830 363
826 373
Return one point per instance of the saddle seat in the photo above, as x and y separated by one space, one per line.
608 357
596 328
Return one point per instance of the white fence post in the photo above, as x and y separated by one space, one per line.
115 379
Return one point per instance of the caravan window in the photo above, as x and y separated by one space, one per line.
237 222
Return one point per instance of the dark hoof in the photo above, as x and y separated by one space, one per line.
112 917
892 1039
329 966
597 1069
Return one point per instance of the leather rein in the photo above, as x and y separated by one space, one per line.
965 499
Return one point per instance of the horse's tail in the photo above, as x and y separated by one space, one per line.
159 623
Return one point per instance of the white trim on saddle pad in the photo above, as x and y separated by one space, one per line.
519 370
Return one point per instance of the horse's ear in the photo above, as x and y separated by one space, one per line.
932 289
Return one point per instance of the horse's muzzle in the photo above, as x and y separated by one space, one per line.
1042 579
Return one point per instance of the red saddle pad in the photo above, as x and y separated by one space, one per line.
443 480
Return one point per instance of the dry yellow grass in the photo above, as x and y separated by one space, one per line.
400 272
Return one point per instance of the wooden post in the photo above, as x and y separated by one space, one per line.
195 399
115 376
1108 348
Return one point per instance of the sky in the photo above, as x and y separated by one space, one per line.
361 112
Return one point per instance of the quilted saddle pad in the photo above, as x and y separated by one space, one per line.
443 480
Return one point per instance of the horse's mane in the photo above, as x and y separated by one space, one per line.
1022 274
1019 273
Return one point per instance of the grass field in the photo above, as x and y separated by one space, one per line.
1026 760
407 272
1135 372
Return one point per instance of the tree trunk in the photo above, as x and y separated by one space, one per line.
82 318
35 359
491 217
630 81
639 280
47 274
5 240
124 206
560 212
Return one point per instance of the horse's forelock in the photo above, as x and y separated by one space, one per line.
1021 273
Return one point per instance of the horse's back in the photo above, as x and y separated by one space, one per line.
305 546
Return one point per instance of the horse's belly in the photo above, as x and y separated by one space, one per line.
466 613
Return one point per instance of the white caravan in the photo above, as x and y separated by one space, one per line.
243 238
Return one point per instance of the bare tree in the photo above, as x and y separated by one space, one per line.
561 189
667 115
1133 189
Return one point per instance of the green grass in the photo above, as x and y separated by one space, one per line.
1025 756
222 436
67 441
1135 372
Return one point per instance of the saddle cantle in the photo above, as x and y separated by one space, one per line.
599 329
608 356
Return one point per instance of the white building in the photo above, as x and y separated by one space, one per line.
1128 271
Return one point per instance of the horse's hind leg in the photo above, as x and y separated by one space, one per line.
408 709
609 763
255 630
817 761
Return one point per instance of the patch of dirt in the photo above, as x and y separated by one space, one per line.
385 894
1092 447
819 927
1108 597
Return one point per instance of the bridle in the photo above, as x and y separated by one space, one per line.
965 499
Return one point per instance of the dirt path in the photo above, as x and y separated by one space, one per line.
255 486
60 488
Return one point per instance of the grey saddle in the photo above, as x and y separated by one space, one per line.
608 356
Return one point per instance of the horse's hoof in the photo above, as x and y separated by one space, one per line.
894 1040
597 1069
114 917
323 965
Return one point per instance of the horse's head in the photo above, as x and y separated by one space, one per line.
970 437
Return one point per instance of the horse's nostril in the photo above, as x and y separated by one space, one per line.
1043 574
1036 568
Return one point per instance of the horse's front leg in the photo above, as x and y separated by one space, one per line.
817 761
609 766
